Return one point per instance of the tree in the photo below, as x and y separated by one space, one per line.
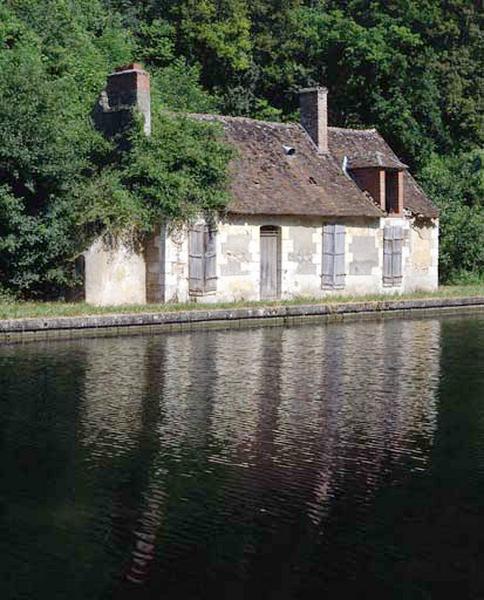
53 59
456 184
61 182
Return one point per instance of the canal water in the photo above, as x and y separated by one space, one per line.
316 461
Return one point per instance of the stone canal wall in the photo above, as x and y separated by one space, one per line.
14 330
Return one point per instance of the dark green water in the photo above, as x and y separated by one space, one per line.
319 461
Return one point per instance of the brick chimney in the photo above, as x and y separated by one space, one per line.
313 103
129 87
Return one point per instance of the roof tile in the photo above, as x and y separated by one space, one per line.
266 179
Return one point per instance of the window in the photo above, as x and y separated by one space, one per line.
333 276
391 192
392 255
202 267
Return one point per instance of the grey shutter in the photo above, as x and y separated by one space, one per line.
328 255
397 255
210 256
333 275
387 255
195 263
339 256
392 255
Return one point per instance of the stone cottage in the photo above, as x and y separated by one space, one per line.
315 211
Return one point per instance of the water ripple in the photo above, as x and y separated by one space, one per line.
265 463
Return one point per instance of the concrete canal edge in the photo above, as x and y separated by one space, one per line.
38 328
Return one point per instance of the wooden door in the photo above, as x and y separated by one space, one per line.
270 263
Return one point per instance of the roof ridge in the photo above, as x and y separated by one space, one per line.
354 130
241 119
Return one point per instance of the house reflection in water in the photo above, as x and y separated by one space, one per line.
226 437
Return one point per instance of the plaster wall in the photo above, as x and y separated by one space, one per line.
239 257
422 266
420 254
120 276
363 257
176 264
114 275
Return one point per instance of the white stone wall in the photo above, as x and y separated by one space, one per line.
238 257
419 256
114 275
176 264
363 257
238 260
422 266
117 276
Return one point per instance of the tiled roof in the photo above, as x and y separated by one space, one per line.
278 170
374 159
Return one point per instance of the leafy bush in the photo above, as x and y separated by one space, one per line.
456 184
54 56
176 173
61 181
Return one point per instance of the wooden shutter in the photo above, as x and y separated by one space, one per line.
339 256
397 255
195 262
328 255
209 259
392 255
333 275
202 267
387 255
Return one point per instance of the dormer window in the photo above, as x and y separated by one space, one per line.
393 192
385 186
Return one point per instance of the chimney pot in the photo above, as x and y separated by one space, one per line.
313 104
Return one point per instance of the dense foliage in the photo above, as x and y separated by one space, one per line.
411 69
177 172
456 184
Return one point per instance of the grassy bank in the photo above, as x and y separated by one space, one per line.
19 310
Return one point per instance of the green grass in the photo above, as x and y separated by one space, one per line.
19 310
